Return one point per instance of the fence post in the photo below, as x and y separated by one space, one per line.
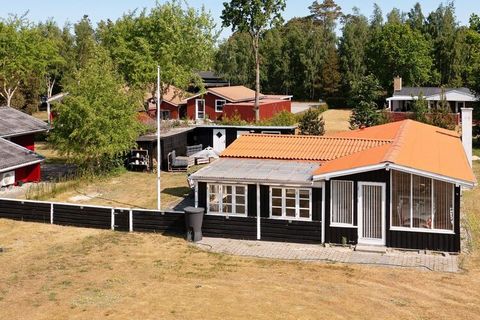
113 219
51 213
130 221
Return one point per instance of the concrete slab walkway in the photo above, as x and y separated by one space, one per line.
311 252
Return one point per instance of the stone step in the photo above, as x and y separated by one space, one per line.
370 248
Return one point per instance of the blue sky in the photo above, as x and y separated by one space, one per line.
72 10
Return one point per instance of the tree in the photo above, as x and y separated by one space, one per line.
84 41
96 122
365 94
178 38
395 16
253 17
399 50
420 109
326 13
416 19
441 116
234 60
352 49
21 55
311 123
441 28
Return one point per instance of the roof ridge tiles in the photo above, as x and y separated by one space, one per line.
319 137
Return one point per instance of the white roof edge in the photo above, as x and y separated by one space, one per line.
328 176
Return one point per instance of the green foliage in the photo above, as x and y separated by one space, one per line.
441 116
23 55
97 122
180 39
398 50
420 109
311 123
364 115
235 120
283 118
365 93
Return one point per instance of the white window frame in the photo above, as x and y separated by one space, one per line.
234 200
297 204
418 229
196 109
216 105
270 132
339 224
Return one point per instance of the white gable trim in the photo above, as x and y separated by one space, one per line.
388 166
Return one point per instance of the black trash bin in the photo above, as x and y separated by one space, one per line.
193 223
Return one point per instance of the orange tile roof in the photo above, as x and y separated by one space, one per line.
295 147
406 144
415 146
234 93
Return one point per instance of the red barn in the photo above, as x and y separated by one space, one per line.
18 160
213 104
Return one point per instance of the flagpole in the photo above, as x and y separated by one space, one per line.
158 140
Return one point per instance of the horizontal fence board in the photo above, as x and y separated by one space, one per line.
82 216
148 221
25 211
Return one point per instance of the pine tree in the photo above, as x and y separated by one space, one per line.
312 123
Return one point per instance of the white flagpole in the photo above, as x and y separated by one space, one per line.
158 140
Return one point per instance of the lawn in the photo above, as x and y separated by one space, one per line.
336 120
53 272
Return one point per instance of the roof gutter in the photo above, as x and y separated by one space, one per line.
18 134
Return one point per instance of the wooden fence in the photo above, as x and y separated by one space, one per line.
164 222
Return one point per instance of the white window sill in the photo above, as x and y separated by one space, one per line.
220 214
342 225
290 218
422 230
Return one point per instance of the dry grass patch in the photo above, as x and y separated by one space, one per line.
52 272
336 120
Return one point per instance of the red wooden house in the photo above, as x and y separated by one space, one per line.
218 102
18 160
173 104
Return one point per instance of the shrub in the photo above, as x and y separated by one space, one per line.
364 115
311 123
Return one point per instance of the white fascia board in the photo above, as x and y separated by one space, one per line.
21 165
328 176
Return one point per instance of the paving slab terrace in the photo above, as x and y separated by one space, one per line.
427 261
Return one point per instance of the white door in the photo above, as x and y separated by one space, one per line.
199 109
371 213
219 140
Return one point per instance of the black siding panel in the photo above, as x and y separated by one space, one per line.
293 231
265 201
252 200
78 216
26 211
151 221
316 204
202 195
231 135
232 227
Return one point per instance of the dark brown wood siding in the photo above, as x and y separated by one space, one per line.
291 231
231 227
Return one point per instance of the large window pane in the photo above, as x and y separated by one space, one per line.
401 185
342 201
290 203
422 202
443 205
227 199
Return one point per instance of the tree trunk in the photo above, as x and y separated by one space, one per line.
257 79
8 94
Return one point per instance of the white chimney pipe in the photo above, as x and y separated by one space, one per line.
467 132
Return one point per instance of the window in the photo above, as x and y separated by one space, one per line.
421 203
165 114
290 203
227 199
219 105
341 203
200 108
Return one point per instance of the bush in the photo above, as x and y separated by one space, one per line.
364 115
283 118
311 123
235 120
